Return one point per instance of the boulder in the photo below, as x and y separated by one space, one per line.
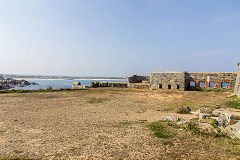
183 110
223 120
234 130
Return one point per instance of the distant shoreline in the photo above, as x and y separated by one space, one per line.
64 79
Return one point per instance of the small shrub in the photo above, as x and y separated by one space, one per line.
160 130
192 126
214 123
17 151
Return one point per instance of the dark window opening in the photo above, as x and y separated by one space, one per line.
201 84
160 86
212 84
225 85
169 86
192 84
178 86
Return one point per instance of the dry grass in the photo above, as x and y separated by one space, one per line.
104 123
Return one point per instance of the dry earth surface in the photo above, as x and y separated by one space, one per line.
105 123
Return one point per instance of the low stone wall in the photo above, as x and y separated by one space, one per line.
108 84
237 85
139 85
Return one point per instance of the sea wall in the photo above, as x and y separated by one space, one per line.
237 85
167 80
198 80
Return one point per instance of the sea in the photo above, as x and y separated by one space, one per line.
61 83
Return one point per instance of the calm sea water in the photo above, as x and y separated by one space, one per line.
55 84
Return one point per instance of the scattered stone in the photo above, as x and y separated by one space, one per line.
203 116
222 120
183 110
206 110
170 118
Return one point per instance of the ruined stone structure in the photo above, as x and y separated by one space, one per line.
138 79
237 85
192 80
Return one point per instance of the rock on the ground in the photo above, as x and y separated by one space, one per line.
203 116
183 109
234 130
170 118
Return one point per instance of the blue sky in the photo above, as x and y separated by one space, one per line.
118 37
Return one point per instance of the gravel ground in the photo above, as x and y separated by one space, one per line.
93 124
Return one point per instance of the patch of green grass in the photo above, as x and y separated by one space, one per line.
160 130
215 90
36 91
15 158
142 120
125 122
96 100
17 151
112 92
214 123
185 103
167 143
233 104
170 108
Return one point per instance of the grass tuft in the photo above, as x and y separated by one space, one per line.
160 130
96 100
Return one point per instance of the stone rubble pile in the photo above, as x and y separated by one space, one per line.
212 120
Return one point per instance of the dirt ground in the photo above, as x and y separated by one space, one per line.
104 123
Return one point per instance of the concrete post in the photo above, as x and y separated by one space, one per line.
237 85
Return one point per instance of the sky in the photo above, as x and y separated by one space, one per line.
118 37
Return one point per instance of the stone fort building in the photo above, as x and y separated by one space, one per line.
185 80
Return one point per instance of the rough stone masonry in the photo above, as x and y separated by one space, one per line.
237 85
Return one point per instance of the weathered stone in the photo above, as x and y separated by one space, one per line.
203 116
170 118
183 110
222 120
206 110
234 130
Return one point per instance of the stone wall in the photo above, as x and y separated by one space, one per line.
237 85
139 85
138 79
200 80
108 84
167 80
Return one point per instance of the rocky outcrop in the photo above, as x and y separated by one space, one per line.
7 83
237 85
